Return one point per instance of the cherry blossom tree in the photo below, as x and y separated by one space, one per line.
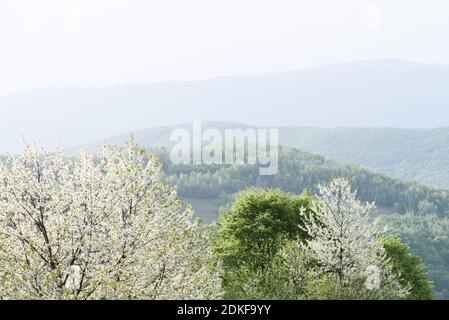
344 243
98 227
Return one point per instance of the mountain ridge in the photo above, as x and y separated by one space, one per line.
380 93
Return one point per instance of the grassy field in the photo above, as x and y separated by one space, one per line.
206 209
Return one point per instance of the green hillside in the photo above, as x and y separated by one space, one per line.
412 154
417 214
298 171
420 155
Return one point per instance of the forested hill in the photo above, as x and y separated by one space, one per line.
298 171
420 155
418 214
412 154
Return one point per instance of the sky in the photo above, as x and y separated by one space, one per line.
108 42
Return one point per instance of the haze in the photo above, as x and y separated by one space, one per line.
107 42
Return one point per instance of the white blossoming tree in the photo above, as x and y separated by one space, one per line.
98 227
344 244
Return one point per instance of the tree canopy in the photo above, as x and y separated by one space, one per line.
409 268
98 227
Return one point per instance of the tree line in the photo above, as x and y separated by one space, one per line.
299 171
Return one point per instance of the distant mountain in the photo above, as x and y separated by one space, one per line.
382 93
420 155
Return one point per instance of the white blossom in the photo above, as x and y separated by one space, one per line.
344 239
98 227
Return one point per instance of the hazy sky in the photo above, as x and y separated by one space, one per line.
105 42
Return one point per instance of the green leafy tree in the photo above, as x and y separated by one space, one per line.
253 230
428 238
258 223
409 268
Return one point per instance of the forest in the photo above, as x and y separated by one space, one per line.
300 170
111 225
411 154
415 213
